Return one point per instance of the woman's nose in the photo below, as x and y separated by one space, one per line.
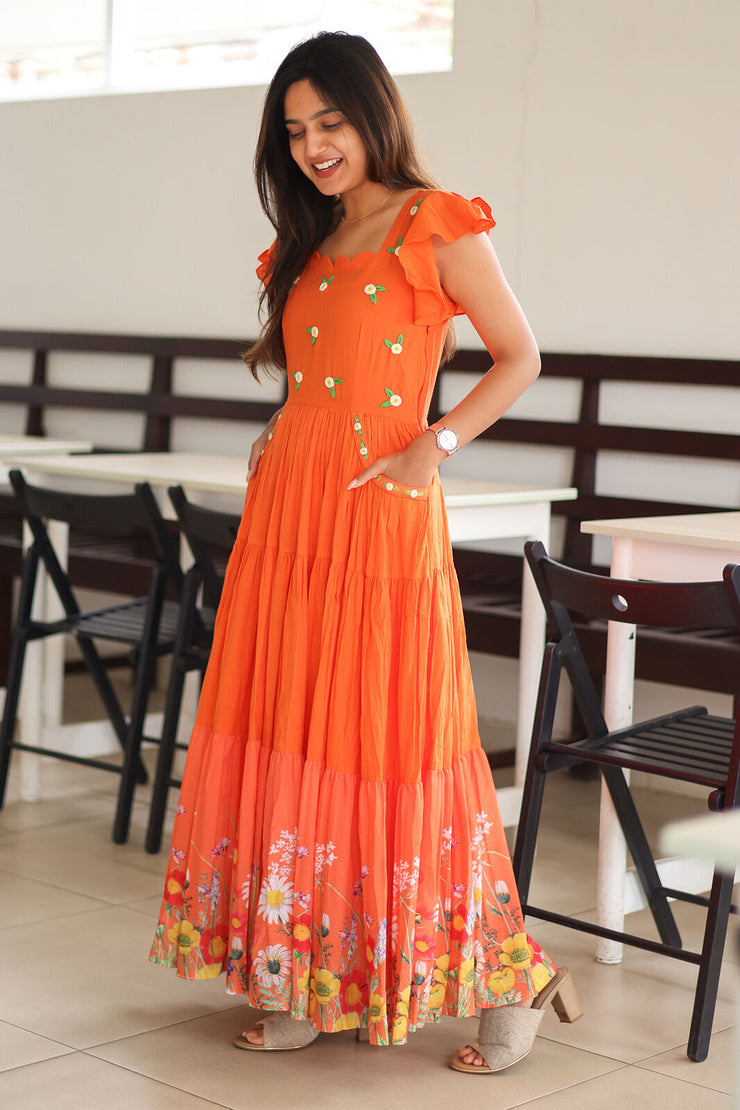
315 144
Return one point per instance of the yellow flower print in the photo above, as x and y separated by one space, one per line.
466 974
209 971
438 989
185 936
325 986
301 933
443 962
477 895
173 887
516 952
540 976
501 980
376 1008
399 1030
354 994
459 922
302 984
346 1021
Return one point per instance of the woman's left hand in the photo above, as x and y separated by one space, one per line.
415 466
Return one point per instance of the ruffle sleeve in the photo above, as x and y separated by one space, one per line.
450 216
265 262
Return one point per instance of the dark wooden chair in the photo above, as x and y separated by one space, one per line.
210 535
145 625
689 745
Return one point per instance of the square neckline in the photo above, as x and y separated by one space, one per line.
413 199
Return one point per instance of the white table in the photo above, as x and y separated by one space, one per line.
715 838
475 511
12 446
695 547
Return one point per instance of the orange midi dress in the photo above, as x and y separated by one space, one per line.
337 848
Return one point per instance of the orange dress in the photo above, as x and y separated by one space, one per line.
337 848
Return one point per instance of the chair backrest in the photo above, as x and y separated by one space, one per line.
210 535
567 593
130 517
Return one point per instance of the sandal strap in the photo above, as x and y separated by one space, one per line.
280 1030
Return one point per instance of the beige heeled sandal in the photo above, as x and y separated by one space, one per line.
281 1033
507 1033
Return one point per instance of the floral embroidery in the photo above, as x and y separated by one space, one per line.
396 347
406 491
298 377
373 290
394 250
314 333
325 283
392 399
415 208
331 382
357 425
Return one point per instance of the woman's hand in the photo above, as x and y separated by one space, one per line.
414 466
259 445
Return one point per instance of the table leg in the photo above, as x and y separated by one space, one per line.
618 699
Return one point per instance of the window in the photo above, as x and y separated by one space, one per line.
53 48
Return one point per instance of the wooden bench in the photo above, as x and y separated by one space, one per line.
490 582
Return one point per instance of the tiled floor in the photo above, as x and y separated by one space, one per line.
86 1023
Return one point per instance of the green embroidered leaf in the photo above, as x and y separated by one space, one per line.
387 342
389 391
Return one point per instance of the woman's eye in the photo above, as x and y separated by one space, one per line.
295 135
332 126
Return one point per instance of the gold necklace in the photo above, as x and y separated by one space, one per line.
357 219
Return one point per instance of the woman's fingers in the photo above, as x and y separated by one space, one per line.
377 468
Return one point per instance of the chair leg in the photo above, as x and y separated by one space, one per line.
707 983
526 835
166 757
642 856
143 683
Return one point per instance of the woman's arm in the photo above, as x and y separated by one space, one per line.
260 443
471 275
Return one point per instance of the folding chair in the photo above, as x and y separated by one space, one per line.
689 745
210 535
145 624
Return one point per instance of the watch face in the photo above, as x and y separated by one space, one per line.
447 439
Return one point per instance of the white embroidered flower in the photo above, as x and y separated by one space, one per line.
298 376
276 899
413 493
370 289
395 250
329 383
324 285
272 964
394 399
314 332
358 426
389 485
414 210
363 450
396 349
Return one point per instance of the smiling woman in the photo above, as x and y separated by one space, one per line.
366 882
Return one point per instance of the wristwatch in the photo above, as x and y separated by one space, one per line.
446 439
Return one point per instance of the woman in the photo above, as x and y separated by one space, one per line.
337 848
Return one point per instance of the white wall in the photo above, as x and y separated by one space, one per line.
602 132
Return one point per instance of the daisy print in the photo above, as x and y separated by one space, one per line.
272 964
392 399
373 290
395 348
314 333
276 899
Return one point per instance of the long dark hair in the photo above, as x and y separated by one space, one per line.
348 74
